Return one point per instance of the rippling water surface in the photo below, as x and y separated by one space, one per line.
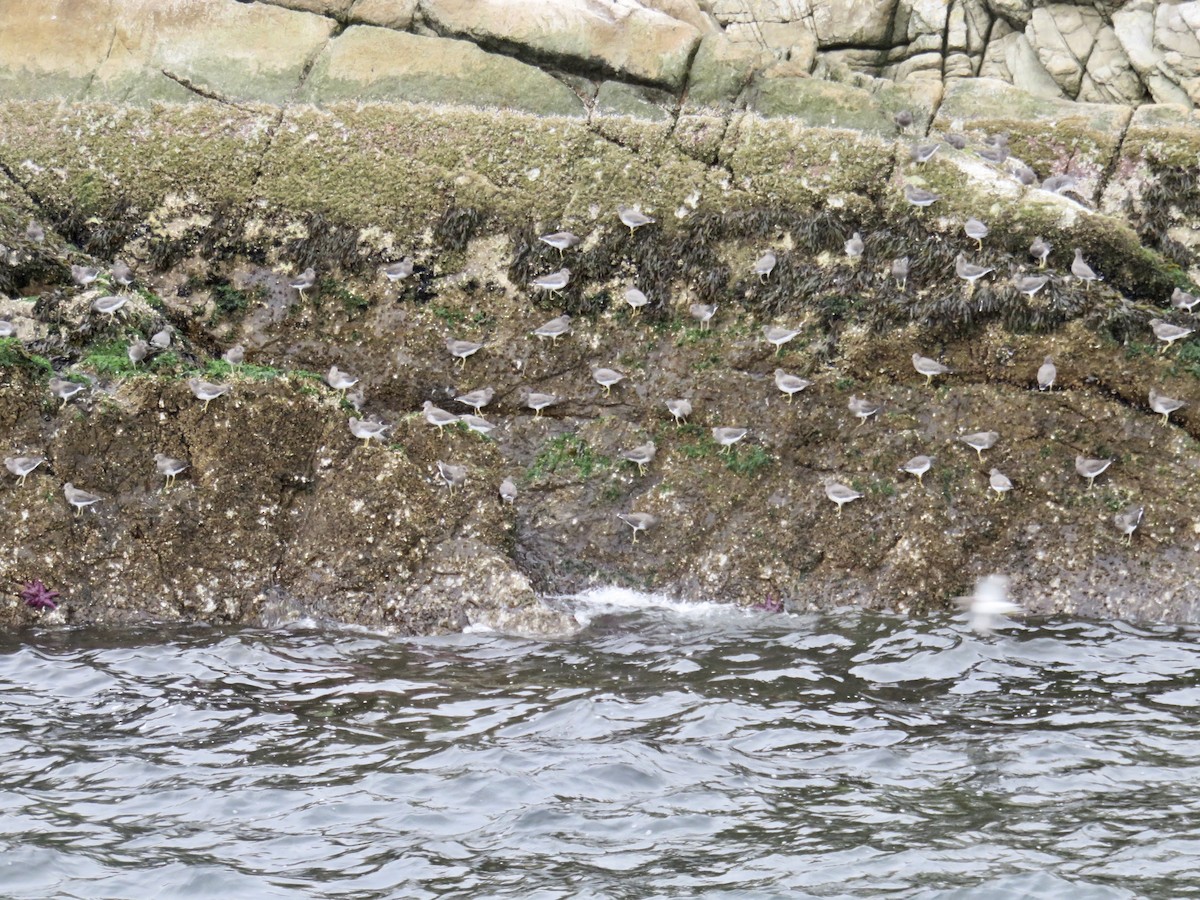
667 752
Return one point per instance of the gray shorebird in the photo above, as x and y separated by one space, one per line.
477 424
955 140
339 380
930 368
1060 184
790 384
638 521
1128 520
1046 374
854 247
920 197
79 498
999 482
641 456
680 409
863 408
727 437
84 275
607 378
980 441
1164 405
206 390
169 468
765 265
35 232
918 466
235 355
304 281
560 241
900 271
161 339
122 274
539 401
22 466
109 306
437 417
703 312
1022 172
555 282
1082 270
476 399
1040 250
1181 299
398 271
995 155
969 272
923 153
368 429
634 219
64 390
976 231
636 298
460 350
1168 333
903 119
553 329
1091 469
840 494
453 475
779 336
137 351
1030 284
508 491
7 329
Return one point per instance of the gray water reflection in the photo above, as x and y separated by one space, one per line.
664 753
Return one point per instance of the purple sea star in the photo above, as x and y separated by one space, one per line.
37 596
771 603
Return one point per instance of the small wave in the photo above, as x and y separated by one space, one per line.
588 604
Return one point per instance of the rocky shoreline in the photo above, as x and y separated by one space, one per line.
217 205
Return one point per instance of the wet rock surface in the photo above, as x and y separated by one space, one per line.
222 155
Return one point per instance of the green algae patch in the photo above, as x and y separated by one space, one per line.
788 162
14 356
102 158
402 166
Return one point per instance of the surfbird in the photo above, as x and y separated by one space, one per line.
918 466
980 441
1091 468
840 493
1046 374
79 498
169 467
790 384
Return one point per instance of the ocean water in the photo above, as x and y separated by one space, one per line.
670 750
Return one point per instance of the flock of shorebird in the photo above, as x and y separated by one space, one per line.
454 475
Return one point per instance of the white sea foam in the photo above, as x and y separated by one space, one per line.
600 600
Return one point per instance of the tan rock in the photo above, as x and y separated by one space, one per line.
621 37
320 7
859 22
722 69
137 50
386 13
1063 36
367 63
685 11
1177 36
45 53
